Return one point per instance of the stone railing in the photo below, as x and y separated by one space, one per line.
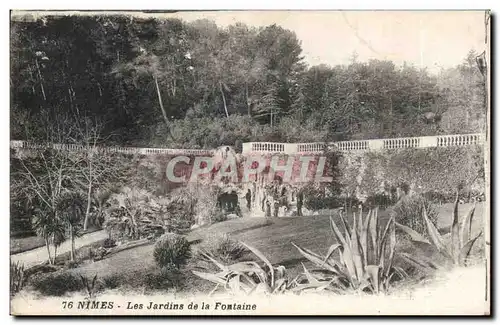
351 145
126 150
286 148
365 145
264 147
459 140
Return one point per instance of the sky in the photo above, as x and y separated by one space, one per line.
431 39
425 38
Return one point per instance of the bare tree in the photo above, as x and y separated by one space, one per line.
96 169
47 177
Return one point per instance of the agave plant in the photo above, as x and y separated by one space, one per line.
456 251
18 277
365 256
89 285
247 277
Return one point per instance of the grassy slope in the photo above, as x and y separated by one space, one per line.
273 239
19 245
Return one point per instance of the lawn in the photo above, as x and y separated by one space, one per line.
19 245
273 238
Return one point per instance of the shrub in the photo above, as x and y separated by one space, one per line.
194 204
84 253
437 197
110 282
18 277
380 200
157 212
172 250
224 247
57 284
98 253
315 203
217 215
109 242
409 210
165 278
206 208
70 264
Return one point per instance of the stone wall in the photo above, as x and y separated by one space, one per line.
360 174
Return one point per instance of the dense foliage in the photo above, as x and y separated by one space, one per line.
224 247
426 171
195 84
172 250
409 211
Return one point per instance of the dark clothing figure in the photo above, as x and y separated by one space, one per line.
300 199
268 209
276 210
248 197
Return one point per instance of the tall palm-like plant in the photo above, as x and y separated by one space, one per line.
71 210
51 229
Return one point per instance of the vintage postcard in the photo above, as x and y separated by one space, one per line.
249 163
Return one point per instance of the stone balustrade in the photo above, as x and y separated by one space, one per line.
285 148
126 150
366 145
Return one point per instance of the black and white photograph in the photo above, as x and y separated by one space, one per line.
249 163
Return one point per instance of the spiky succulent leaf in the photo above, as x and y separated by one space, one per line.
455 236
392 247
263 258
316 259
331 250
211 277
466 249
363 238
372 273
465 227
434 235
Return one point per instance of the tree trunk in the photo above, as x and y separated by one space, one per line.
160 101
391 113
48 250
223 98
55 253
249 105
87 211
163 112
72 238
41 79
